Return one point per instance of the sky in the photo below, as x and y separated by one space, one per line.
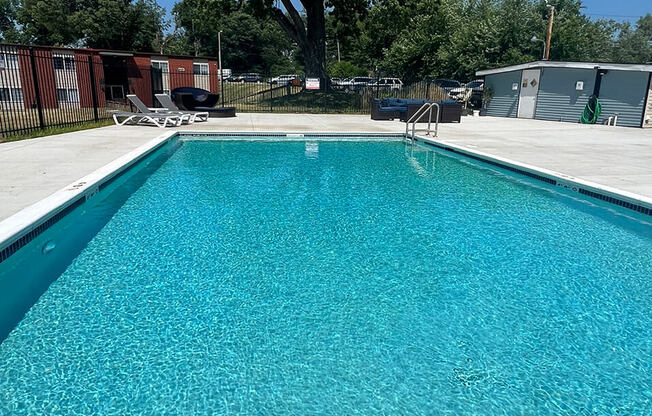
619 10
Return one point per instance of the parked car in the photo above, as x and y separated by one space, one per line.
226 74
447 84
471 92
343 83
335 82
248 77
477 88
285 79
358 84
387 84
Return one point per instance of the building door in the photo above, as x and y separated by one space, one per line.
527 99
157 83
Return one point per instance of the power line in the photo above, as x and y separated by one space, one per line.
613 15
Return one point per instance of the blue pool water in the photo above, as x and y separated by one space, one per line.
340 278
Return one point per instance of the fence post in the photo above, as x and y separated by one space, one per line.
271 108
93 89
37 91
324 89
152 86
377 85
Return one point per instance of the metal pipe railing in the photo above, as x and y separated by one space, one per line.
418 114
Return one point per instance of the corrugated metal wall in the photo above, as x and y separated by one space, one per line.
558 100
505 101
624 93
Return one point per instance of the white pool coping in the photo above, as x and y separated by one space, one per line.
26 220
563 180
23 222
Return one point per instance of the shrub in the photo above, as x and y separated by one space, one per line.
345 69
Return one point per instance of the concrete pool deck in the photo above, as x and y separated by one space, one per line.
615 157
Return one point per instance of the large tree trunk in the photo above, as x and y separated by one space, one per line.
310 37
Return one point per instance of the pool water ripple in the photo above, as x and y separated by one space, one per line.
344 278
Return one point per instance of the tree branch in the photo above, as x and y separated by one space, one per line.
295 16
286 25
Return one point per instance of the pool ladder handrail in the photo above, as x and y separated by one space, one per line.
416 116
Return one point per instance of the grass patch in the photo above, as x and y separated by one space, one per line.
49 131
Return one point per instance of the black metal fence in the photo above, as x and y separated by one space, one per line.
256 93
39 90
43 87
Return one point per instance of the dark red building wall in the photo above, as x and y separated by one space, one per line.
25 65
181 73
84 80
140 78
44 73
214 76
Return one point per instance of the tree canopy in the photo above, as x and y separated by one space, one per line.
115 24
405 38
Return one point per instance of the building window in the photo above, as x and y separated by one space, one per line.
73 95
115 92
162 65
64 63
200 69
8 61
17 95
9 95
70 95
62 95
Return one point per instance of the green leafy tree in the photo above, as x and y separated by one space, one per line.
575 37
344 69
307 29
635 45
343 29
308 32
8 30
124 25
47 22
455 38
251 41
111 24
387 22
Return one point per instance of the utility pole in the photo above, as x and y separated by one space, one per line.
338 50
550 20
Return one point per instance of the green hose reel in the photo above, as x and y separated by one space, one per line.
591 111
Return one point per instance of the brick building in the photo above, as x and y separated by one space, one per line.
66 76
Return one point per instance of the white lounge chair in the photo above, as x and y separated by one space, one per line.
168 104
158 119
142 108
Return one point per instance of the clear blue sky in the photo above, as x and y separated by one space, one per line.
616 9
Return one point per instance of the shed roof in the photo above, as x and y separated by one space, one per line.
574 65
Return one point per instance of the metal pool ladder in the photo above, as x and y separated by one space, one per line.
420 112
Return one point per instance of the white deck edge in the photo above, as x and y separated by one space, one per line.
27 219
567 181
24 221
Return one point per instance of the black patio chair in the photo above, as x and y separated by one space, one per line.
190 98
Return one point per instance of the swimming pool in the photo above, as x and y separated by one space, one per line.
321 276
